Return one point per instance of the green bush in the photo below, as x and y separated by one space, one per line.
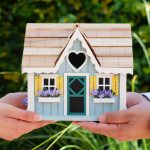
14 14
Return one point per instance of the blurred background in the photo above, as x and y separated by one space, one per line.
14 14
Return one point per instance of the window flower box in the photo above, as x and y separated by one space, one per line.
104 100
49 96
103 96
49 99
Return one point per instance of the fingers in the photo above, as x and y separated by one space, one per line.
15 99
29 126
115 117
100 128
16 128
14 112
26 127
133 99
117 131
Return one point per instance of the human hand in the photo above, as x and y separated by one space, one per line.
124 125
15 99
14 121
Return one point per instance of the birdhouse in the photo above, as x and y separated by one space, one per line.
78 71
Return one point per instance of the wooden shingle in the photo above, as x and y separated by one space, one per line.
42 51
110 43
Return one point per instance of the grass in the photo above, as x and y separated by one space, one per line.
66 136
93 142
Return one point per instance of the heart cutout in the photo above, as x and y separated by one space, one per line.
77 59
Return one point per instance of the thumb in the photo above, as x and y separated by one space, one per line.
14 112
115 117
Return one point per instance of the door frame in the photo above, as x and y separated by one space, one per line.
68 95
87 90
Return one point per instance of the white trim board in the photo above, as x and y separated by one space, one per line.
122 86
87 90
49 99
104 100
31 96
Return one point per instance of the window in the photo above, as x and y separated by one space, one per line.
49 83
104 83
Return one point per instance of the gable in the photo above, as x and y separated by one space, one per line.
86 67
77 35
111 44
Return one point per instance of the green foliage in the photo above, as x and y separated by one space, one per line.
14 14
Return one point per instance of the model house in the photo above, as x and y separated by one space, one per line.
77 71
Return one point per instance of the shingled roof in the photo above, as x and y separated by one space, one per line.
111 43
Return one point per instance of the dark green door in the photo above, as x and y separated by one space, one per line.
76 95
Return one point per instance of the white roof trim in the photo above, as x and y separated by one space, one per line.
102 70
77 35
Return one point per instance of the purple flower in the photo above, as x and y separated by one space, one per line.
95 92
25 101
49 93
57 92
52 93
41 93
102 93
46 93
108 94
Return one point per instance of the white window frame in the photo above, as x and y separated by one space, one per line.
49 76
104 76
104 100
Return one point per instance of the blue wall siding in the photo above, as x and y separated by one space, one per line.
56 110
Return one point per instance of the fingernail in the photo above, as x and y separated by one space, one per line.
102 118
37 117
